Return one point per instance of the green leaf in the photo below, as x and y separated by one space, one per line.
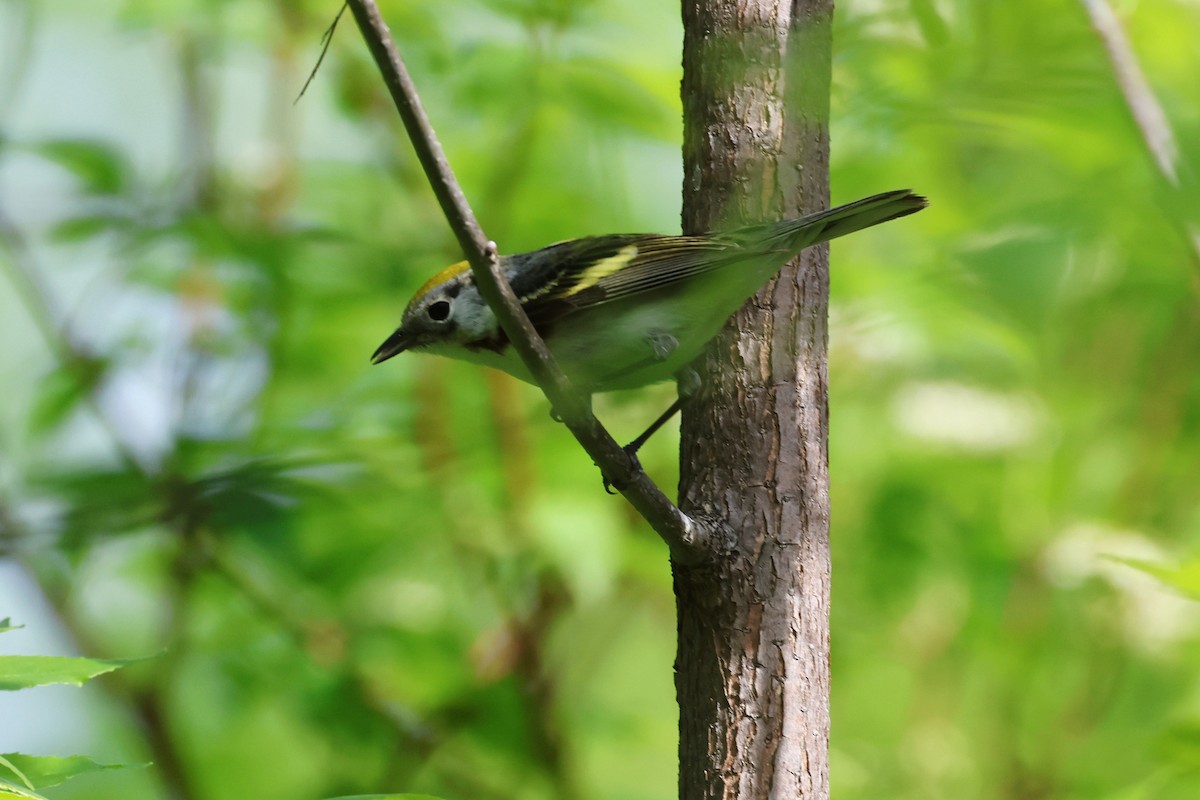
387 797
22 672
87 226
6 625
38 772
1183 577
101 169
60 393
13 790
104 501
5 764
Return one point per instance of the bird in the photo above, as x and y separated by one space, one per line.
619 311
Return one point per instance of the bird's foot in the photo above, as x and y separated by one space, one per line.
635 466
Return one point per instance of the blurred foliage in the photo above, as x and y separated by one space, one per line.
408 578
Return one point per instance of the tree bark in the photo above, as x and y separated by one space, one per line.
752 668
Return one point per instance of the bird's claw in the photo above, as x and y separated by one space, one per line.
635 465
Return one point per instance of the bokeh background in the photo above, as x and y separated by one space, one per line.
407 577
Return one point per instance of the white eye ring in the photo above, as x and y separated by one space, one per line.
439 310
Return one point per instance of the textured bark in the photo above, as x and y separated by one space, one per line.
752 670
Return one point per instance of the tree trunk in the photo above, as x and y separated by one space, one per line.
752 669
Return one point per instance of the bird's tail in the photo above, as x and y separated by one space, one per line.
794 235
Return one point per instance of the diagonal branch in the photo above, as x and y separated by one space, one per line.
689 540
1147 112
75 357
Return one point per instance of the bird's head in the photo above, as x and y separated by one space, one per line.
445 310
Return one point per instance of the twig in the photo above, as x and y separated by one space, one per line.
1147 112
689 540
26 278
326 40
25 274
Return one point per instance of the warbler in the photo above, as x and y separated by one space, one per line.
623 310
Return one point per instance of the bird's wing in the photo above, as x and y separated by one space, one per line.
581 273
600 269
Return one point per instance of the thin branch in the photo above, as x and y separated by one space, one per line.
689 540
326 40
17 49
25 274
26 278
1147 112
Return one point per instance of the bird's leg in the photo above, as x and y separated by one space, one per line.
632 448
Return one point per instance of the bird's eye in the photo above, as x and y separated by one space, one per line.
439 310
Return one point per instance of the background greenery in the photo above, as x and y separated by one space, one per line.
407 577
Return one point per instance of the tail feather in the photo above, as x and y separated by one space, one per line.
796 234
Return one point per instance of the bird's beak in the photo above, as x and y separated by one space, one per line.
397 343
